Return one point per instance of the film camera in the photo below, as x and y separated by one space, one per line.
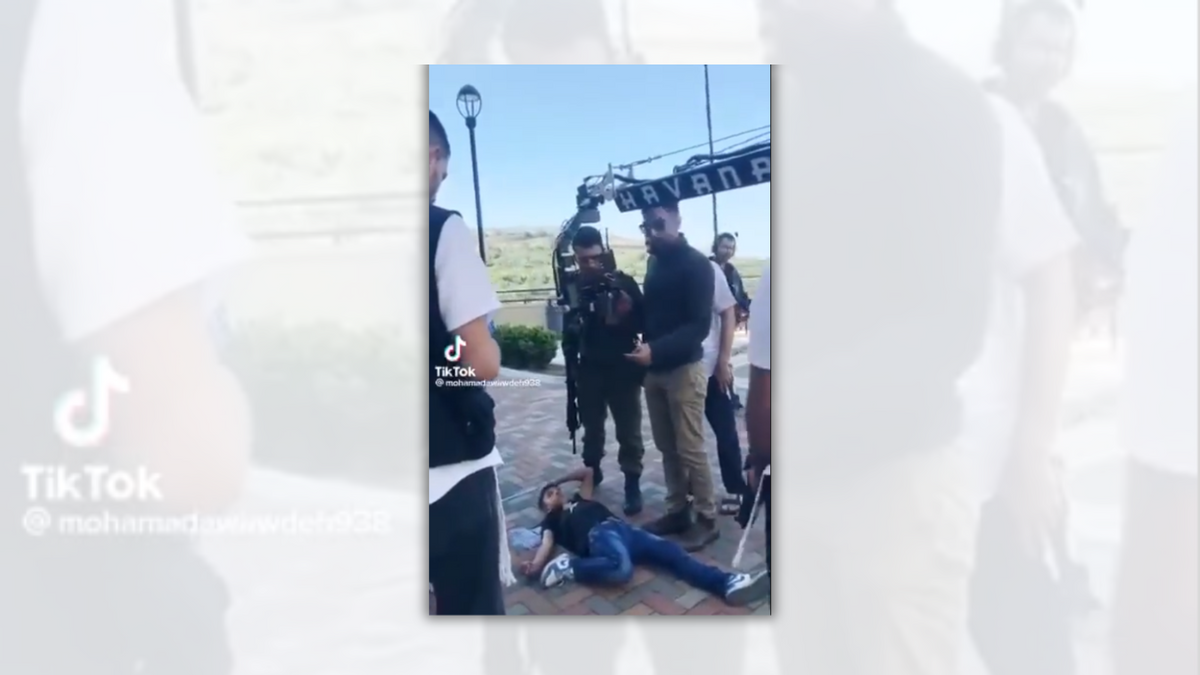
583 294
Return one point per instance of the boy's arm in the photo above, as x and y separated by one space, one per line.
543 553
585 476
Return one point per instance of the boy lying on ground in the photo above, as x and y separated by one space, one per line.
608 548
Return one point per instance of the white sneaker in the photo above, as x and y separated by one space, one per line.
557 571
743 589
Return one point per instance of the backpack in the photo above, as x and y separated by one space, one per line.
100 605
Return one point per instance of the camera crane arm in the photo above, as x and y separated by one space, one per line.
700 176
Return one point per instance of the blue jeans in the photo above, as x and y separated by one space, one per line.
718 408
616 546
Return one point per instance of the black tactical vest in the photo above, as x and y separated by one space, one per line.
462 420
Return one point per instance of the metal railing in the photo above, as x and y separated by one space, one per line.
374 214
526 296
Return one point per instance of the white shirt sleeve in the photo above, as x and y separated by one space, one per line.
722 297
760 323
1161 319
1034 227
465 290
126 204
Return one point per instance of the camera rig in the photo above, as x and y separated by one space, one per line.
700 176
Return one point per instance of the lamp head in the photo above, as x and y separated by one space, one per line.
470 103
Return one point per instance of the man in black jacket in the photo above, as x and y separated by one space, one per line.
679 298
607 380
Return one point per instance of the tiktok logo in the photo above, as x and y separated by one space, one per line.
454 351
73 406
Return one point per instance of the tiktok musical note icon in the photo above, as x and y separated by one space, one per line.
454 351
73 405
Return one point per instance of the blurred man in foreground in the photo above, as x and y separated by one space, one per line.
896 203
758 402
119 331
1155 617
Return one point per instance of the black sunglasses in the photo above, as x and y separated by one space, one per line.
655 225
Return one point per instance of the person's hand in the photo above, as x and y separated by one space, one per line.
529 568
724 375
1031 493
640 355
752 478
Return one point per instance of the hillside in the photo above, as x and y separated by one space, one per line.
521 259
310 98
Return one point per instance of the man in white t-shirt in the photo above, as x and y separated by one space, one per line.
111 233
1011 400
719 407
468 550
1155 611
758 400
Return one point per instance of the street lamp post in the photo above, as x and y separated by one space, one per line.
470 103
711 151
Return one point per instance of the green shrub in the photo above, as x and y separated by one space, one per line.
526 347
332 401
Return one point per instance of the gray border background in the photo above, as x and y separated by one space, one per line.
402 635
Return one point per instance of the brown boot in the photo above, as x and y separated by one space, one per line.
702 533
670 524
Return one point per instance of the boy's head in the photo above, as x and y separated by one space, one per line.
551 499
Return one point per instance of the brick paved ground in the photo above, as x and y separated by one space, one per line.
533 439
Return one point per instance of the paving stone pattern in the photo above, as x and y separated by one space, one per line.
532 435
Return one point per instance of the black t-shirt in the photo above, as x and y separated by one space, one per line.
572 523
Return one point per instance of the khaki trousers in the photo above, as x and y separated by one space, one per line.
675 402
